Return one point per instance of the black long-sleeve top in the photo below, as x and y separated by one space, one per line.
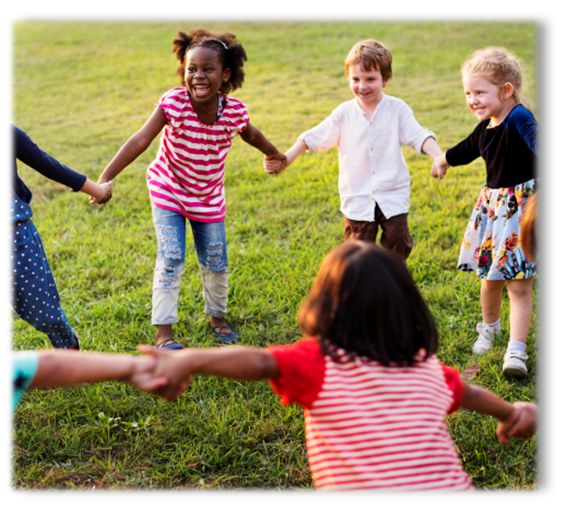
28 152
509 149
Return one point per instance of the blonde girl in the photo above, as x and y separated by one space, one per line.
506 138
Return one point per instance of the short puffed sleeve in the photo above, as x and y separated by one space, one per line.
235 116
173 104
302 367
455 385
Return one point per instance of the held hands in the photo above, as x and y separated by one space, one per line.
144 376
169 367
439 167
103 193
522 423
273 164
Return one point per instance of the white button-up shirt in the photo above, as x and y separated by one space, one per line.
372 168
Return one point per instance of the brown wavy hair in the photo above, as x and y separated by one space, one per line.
233 56
371 56
365 302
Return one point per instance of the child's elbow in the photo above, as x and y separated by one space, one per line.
266 367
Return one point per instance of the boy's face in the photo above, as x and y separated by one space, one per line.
367 86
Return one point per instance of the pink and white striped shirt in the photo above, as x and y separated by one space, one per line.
373 427
187 176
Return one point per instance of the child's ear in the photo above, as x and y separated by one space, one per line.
385 81
507 90
226 74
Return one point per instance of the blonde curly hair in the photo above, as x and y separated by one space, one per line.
499 66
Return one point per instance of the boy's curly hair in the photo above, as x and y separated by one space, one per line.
231 53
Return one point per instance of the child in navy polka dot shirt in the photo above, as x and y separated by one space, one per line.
34 295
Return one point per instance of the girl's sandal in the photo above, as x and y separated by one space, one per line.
226 338
169 344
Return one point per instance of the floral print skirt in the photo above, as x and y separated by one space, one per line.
492 245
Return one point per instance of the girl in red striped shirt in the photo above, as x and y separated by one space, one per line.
186 179
375 396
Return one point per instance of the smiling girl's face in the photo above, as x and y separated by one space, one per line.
204 74
487 100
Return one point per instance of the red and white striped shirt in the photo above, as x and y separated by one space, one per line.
373 427
187 175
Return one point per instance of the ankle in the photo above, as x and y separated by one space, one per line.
516 345
494 327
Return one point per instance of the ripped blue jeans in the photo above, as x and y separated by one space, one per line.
211 246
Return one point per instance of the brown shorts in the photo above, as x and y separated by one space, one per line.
395 236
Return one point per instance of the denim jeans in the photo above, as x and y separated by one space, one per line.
34 295
211 246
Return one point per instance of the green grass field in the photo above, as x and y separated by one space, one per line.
80 90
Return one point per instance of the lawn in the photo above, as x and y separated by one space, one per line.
80 90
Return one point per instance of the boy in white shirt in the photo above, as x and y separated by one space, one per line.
369 130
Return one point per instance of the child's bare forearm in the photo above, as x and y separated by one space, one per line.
131 150
296 150
68 367
253 136
242 363
430 147
480 400
97 190
135 145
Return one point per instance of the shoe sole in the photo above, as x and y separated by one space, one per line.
514 371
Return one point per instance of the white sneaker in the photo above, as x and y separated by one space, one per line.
514 364
485 339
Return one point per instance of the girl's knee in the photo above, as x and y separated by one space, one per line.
215 260
520 289
168 277
169 246
492 285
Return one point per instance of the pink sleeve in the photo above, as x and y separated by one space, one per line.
238 115
301 367
172 103
455 385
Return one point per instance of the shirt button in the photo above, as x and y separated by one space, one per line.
370 124
364 115
373 193
373 172
371 149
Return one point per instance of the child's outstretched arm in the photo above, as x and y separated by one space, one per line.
431 148
132 149
67 367
241 363
515 420
253 136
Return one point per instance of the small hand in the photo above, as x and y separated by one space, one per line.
525 426
273 164
166 367
439 167
143 375
104 195
504 427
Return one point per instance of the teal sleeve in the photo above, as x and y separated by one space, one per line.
24 368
